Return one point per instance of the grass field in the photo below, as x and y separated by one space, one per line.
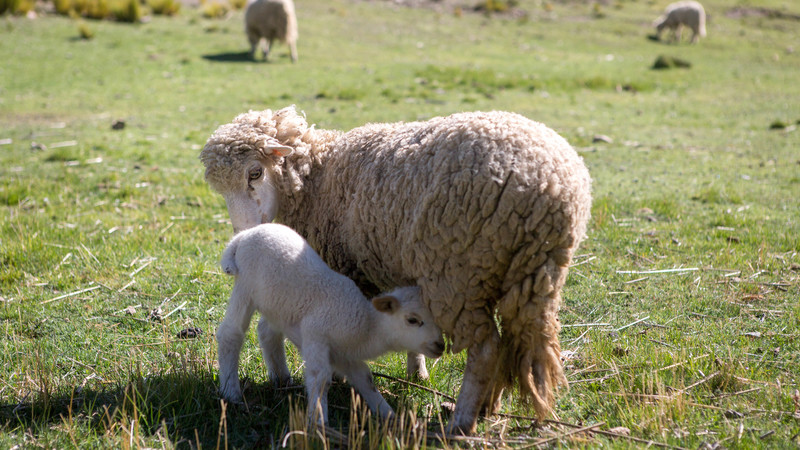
110 238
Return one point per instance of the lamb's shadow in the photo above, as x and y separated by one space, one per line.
230 57
184 408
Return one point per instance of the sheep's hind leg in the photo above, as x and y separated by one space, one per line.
415 365
266 50
230 336
360 377
476 389
273 353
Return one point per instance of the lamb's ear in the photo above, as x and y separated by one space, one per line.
278 150
386 304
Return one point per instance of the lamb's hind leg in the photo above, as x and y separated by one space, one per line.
480 376
230 336
274 354
318 380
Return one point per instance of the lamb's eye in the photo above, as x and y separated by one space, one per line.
414 321
255 174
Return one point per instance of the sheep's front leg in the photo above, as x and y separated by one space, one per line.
318 379
476 388
415 365
274 354
230 336
360 377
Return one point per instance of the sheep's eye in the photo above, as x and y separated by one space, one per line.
255 174
414 321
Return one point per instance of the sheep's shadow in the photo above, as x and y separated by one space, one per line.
230 57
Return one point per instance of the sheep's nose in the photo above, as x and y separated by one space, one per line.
439 346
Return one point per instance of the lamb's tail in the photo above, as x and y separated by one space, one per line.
228 261
530 353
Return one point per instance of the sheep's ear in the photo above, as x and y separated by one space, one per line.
386 304
278 150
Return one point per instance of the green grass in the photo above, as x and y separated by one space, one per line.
100 227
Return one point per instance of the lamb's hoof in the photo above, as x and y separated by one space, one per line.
420 375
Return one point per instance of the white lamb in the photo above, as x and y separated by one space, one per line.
322 312
677 15
271 20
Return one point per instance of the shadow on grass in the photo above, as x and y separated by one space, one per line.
236 57
185 409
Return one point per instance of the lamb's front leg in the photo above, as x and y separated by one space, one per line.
274 354
230 336
318 379
360 377
479 379
415 365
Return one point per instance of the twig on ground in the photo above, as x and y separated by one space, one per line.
585 325
656 341
636 280
418 386
71 294
132 274
632 324
697 383
603 432
645 272
541 442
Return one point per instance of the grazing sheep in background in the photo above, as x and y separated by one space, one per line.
677 15
322 312
482 210
271 20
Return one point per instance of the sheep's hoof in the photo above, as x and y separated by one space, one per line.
454 429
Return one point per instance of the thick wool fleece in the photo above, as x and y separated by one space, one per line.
482 210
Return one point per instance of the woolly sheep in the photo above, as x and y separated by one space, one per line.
271 20
482 210
322 312
679 14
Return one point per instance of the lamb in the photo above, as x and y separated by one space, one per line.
482 210
271 20
322 312
685 13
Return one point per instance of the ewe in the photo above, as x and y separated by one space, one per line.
482 210
271 20
322 312
677 15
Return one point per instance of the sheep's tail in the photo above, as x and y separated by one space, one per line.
530 353
228 261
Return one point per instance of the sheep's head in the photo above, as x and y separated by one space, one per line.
408 323
240 160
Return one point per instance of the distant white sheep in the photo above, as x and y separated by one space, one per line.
677 15
321 311
271 20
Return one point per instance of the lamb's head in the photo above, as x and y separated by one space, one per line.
408 323
242 159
